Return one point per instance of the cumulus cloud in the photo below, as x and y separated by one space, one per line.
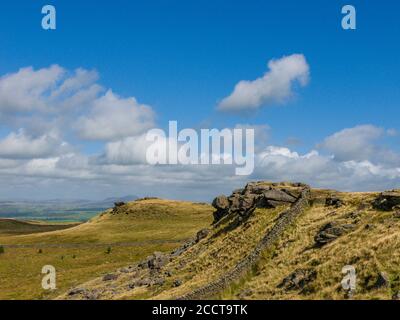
28 89
53 104
19 145
54 98
275 86
112 118
353 143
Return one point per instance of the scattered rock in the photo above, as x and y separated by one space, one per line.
387 200
202 234
177 283
110 277
177 252
382 281
76 291
91 295
298 279
334 201
331 231
158 281
157 260
168 273
143 282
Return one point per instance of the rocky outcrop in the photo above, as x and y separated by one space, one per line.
387 200
298 279
330 232
334 201
157 260
255 195
285 219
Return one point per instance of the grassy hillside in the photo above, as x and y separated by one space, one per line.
111 240
305 262
15 227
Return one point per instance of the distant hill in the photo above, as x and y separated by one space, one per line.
58 209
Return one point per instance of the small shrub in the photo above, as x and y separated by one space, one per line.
108 251
40 251
1 249
74 256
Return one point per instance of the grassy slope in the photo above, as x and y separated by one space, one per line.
10 227
79 253
372 247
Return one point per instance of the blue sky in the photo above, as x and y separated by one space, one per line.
182 58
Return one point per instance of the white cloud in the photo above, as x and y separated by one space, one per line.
274 87
113 118
131 150
28 89
19 145
363 142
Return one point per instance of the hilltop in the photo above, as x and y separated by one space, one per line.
270 241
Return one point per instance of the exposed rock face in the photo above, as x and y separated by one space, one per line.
331 232
387 200
298 279
221 202
255 195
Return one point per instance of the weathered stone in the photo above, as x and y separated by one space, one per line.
158 281
257 189
334 201
382 281
220 202
177 283
298 279
387 200
158 260
238 191
331 232
278 195
110 276
202 234
143 282
76 291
